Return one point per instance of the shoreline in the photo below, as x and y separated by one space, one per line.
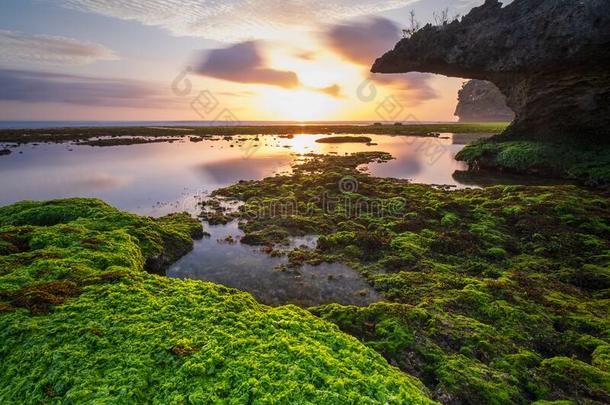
59 135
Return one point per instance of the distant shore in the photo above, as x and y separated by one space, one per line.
85 133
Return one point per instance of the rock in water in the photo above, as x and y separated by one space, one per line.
549 57
482 101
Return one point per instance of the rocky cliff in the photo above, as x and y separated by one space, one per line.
482 101
549 57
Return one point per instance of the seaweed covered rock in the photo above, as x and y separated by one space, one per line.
81 322
482 101
589 165
496 295
549 57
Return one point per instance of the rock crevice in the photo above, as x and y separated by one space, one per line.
549 57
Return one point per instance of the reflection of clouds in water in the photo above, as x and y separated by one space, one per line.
232 170
96 181
405 166
407 162
139 177
420 159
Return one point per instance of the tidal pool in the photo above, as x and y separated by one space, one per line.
249 269
158 178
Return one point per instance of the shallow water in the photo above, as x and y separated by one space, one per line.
159 178
247 268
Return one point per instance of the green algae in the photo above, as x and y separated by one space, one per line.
491 293
82 322
345 139
587 164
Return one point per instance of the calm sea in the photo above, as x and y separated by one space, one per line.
71 124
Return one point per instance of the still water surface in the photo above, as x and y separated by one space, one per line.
156 178
159 178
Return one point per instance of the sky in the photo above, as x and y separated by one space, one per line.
212 60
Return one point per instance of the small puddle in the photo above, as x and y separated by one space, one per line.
249 269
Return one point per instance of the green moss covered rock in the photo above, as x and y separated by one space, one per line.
491 293
587 164
82 322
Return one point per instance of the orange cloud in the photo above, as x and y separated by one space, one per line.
334 90
362 41
242 63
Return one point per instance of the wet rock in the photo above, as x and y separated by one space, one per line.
156 264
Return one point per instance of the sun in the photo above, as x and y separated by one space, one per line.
300 104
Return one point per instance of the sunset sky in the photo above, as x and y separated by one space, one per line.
209 60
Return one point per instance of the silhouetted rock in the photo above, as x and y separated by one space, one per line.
481 101
549 57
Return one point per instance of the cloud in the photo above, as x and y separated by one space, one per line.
363 41
235 93
37 87
243 63
333 90
306 55
411 88
234 20
22 47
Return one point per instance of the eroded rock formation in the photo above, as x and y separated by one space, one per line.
482 101
549 57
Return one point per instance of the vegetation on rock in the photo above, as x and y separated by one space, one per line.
587 164
496 295
345 139
80 321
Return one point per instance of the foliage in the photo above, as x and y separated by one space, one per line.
587 164
491 293
81 322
